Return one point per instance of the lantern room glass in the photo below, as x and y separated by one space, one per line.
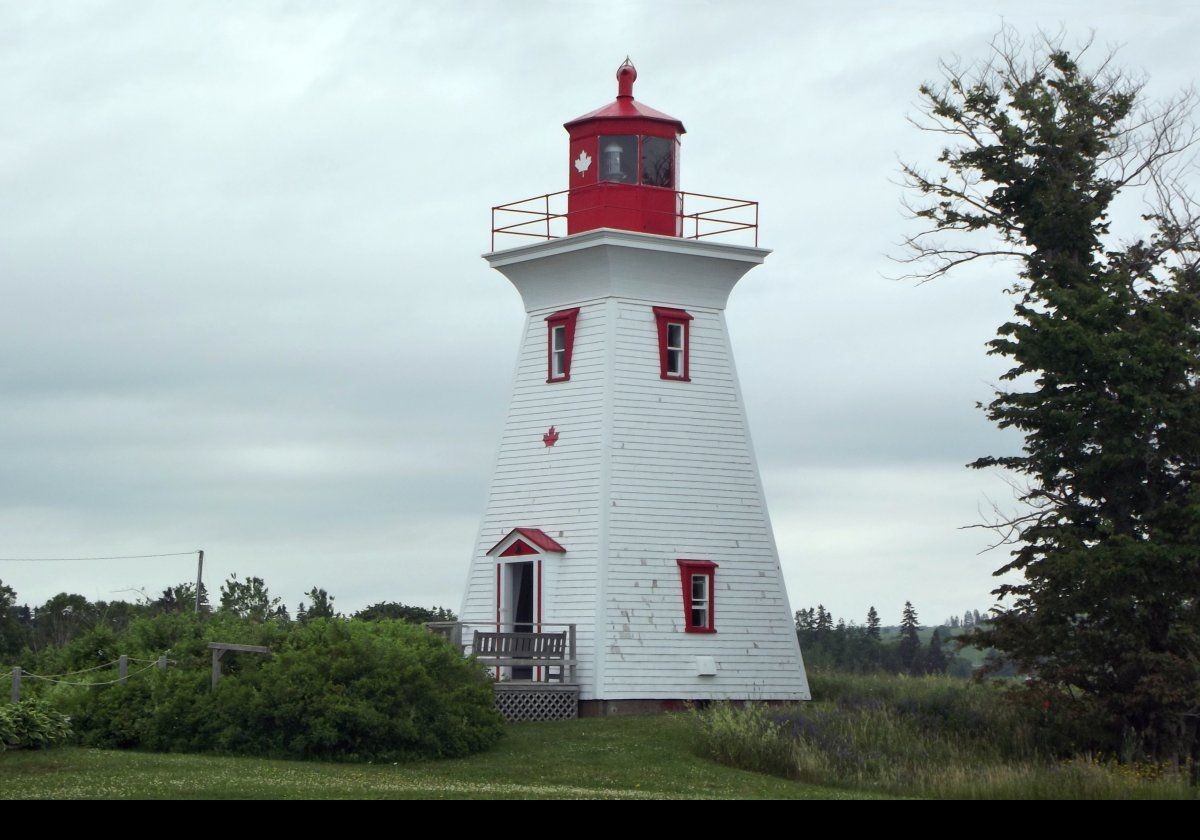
645 160
657 164
618 158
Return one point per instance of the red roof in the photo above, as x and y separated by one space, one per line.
534 535
625 106
625 109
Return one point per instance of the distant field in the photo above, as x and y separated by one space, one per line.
611 758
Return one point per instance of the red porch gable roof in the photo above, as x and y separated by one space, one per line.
534 535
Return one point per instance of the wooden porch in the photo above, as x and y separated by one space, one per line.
534 672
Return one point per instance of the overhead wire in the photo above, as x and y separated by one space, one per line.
87 559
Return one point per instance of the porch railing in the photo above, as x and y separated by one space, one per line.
514 656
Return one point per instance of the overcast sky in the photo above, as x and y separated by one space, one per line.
243 307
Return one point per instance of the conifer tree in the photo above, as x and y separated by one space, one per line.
872 627
824 621
1104 376
910 640
935 657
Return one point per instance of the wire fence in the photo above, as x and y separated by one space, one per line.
121 663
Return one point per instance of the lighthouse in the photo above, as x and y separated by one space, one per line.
625 560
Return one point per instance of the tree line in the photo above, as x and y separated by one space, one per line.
66 616
872 647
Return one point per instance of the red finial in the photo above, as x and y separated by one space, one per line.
626 76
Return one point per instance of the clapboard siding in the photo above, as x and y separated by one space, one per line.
556 489
645 472
685 484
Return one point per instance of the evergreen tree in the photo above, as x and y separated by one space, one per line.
824 622
872 626
935 658
12 631
1104 348
909 649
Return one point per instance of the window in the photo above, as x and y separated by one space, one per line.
698 599
619 158
558 351
656 162
560 339
674 328
630 159
675 349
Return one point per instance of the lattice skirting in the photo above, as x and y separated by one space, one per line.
538 703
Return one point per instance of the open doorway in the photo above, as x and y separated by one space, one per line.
520 603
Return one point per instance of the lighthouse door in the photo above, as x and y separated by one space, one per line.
521 599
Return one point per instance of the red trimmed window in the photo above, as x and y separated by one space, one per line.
699 604
560 340
674 340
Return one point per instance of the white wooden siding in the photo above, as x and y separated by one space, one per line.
685 485
556 489
646 471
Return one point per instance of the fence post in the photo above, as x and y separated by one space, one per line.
216 667
16 686
122 668
162 663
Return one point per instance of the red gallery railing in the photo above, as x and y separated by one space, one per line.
538 217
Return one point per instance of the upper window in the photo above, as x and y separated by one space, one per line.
699 602
674 338
656 162
560 340
630 159
618 158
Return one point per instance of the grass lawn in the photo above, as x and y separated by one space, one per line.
610 758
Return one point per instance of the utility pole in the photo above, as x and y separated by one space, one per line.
199 577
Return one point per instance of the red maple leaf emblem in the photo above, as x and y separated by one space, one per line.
551 437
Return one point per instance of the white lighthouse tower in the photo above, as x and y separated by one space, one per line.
626 528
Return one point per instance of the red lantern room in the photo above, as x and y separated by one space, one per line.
623 173
624 166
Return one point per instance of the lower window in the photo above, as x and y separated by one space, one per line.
699 601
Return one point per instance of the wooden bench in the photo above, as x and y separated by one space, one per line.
524 650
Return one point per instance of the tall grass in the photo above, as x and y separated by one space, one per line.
922 736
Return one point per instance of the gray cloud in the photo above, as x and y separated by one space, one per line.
243 307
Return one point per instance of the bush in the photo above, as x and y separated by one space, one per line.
334 689
32 724
358 690
925 736
746 737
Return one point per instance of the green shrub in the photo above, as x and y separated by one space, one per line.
32 724
359 690
110 717
333 689
746 737
926 736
